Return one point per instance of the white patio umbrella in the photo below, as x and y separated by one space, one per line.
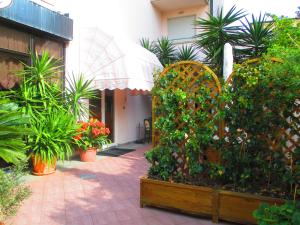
114 62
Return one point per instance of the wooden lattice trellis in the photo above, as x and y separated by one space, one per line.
190 77
285 139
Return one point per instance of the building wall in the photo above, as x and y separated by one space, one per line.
133 20
199 11
130 111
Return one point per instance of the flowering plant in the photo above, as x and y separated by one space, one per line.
92 134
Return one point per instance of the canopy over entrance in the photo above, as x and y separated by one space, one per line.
115 63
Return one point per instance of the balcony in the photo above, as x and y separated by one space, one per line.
171 5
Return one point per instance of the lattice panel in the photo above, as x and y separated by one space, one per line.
193 78
283 139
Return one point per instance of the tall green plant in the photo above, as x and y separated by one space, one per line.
37 90
147 44
165 51
12 131
78 89
215 32
53 135
187 53
256 36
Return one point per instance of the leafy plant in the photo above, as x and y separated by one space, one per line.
216 31
77 90
53 135
92 134
165 51
187 53
286 214
184 132
256 36
12 191
147 44
12 131
38 91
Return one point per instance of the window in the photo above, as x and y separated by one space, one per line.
181 27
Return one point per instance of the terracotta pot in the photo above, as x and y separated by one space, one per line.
88 155
41 168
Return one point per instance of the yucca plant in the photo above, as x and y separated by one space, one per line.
255 36
187 52
53 135
165 51
216 31
12 131
38 91
78 89
147 44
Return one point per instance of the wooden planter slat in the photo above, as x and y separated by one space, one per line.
182 197
238 207
218 204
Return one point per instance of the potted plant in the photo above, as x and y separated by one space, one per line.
52 139
92 136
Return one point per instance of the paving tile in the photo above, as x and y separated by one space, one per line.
105 192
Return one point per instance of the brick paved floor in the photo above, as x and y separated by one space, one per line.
103 192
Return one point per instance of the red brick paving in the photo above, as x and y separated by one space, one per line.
105 192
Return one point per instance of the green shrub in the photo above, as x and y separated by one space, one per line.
286 214
12 131
12 191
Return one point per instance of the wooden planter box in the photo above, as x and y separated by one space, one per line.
203 201
238 207
181 197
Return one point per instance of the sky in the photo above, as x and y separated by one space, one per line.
277 7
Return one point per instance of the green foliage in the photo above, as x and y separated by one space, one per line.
216 31
256 36
262 95
167 53
187 53
286 39
77 90
183 131
147 44
12 131
12 191
38 90
52 112
53 135
286 214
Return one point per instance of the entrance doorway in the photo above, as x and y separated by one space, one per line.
102 108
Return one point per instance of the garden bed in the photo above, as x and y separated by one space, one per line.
203 201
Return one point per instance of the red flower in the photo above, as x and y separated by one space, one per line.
96 132
107 131
99 124
78 137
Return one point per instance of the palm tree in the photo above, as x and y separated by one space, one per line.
216 31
